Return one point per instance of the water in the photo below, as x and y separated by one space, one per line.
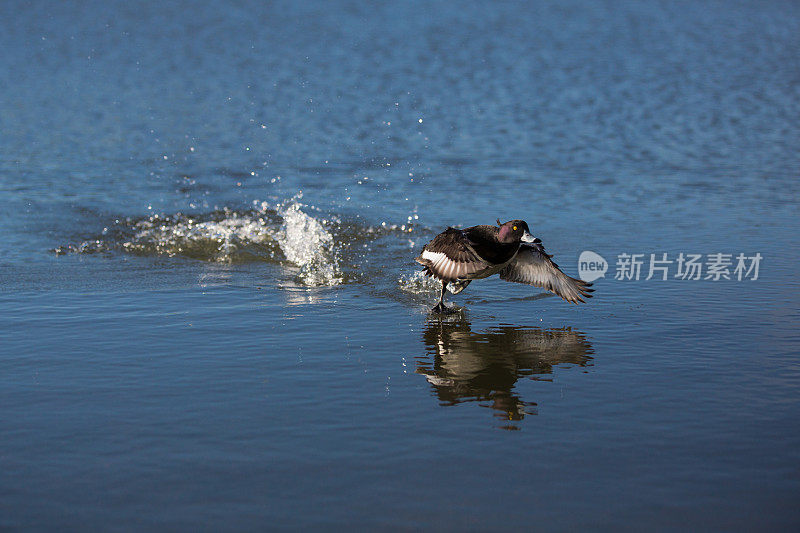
210 316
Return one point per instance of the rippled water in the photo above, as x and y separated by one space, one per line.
210 315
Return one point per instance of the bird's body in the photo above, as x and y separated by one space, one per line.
458 256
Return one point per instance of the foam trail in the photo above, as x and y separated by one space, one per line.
232 237
315 251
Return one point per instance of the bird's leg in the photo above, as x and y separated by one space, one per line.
440 307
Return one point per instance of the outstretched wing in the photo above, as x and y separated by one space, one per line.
533 266
449 256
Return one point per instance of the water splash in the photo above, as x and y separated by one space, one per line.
418 283
306 243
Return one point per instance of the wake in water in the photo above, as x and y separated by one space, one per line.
319 251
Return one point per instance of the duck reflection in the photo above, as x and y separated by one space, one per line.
463 365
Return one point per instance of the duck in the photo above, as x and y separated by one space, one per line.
456 257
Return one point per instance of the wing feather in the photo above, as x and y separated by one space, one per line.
450 256
533 266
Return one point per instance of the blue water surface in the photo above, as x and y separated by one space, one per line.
210 316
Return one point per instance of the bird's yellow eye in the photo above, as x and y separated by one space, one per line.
515 228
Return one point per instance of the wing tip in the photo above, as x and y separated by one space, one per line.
582 289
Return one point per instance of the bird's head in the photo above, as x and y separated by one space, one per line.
515 231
